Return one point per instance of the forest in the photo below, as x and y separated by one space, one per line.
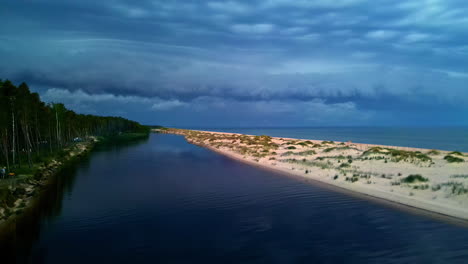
32 131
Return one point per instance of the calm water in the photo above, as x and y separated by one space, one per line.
166 201
444 138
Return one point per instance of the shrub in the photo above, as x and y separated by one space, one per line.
345 165
456 153
291 147
328 142
395 183
452 159
421 187
336 177
414 178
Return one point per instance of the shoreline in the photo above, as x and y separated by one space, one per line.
444 207
25 192
20 196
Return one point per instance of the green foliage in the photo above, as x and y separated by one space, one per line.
33 132
337 148
328 149
413 178
433 152
458 153
456 188
291 147
399 155
452 159
421 187
328 142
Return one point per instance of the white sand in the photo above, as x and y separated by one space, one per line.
378 174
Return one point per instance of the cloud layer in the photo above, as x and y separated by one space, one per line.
245 62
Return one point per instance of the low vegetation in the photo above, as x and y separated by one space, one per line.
433 152
399 155
454 188
414 178
452 159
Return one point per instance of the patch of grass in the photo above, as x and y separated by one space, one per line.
456 188
413 178
458 153
345 165
433 152
328 142
340 157
337 148
328 149
287 153
352 179
291 147
464 176
306 153
421 187
399 155
452 159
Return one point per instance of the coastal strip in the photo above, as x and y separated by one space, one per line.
432 180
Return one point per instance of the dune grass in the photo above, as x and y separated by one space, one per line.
452 159
414 178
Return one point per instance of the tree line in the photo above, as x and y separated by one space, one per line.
31 129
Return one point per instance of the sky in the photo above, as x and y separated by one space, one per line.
270 63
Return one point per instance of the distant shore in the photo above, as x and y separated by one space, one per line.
432 180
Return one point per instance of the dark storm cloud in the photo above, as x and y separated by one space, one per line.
365 57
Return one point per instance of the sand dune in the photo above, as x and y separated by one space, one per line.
433 180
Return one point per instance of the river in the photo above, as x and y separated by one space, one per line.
166 201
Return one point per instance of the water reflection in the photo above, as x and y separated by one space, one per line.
17 237
145 203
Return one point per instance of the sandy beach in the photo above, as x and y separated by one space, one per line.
432 180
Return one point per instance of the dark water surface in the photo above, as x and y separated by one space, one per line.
444 138
166 201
